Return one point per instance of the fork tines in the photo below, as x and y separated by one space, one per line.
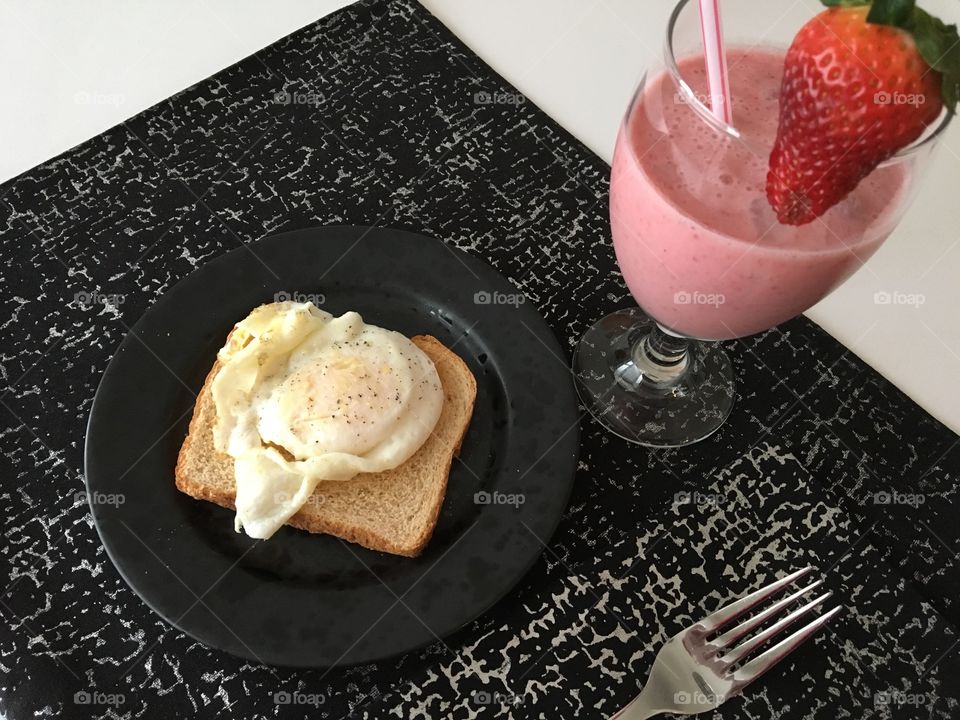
724 643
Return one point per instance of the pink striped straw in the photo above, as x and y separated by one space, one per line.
716 60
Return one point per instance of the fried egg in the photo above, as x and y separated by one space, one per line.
303 396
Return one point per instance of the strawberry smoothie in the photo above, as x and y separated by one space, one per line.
696 239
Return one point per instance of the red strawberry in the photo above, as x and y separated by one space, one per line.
860 83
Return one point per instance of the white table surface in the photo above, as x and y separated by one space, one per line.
73 70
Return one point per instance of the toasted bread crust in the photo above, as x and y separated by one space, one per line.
368 537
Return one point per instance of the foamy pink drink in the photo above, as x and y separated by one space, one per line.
698 244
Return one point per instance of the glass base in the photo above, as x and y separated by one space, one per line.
645 397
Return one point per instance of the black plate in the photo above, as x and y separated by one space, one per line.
312 600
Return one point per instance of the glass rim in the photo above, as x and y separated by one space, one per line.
670 61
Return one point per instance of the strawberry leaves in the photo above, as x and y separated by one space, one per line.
937 42
890 12
939 45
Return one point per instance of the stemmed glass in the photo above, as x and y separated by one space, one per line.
699 246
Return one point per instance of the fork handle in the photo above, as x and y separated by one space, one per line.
640 708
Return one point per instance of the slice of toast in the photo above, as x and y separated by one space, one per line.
393 511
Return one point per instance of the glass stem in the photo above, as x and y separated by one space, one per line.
659 360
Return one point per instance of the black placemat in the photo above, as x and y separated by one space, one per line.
378 115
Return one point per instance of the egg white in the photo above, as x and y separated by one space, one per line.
302 396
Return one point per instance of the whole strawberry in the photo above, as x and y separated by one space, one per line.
861 81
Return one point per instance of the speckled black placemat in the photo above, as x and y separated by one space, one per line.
378 115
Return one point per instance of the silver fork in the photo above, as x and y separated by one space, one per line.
693 674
